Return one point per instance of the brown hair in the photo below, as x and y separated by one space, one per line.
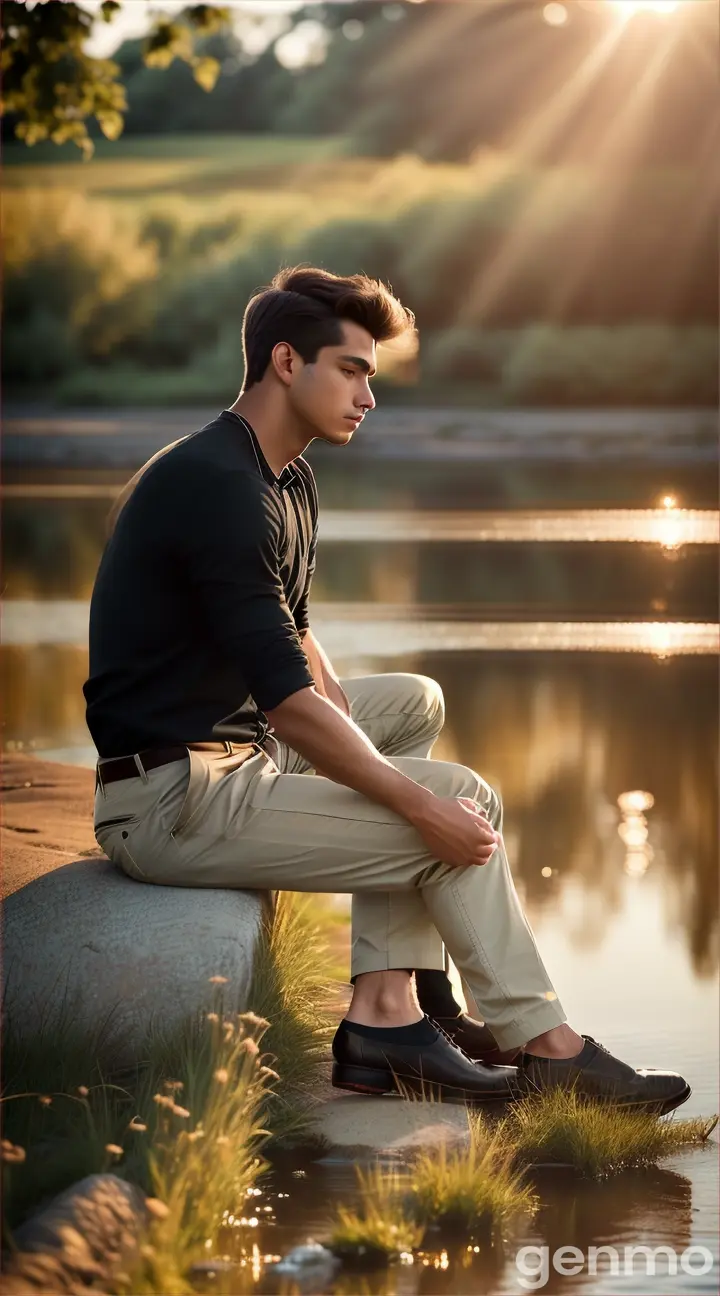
305 307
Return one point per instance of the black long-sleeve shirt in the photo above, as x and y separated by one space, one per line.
200 596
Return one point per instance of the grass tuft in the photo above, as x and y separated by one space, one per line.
203 1157
595 1138
379 1228
469 1190
292 987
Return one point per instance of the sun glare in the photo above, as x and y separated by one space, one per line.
629 7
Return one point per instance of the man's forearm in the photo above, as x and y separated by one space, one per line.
321 669
332 743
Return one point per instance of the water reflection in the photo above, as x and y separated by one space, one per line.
575 563
669 526
389 630
652 1208
563 737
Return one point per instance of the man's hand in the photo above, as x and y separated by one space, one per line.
457 831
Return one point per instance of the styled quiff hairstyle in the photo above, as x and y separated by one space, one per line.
306 307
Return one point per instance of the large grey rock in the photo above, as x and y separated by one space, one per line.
88 947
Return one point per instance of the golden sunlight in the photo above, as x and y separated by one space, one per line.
628 8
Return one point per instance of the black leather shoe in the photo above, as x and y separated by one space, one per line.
476 1039
595 1073
439 1069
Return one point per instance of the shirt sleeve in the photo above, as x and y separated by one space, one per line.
232 546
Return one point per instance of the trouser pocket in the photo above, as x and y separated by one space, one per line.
114 836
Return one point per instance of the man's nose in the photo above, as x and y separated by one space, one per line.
366 400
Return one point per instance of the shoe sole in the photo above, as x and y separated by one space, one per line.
376 1081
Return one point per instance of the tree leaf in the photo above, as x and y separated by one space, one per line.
206 72
110 122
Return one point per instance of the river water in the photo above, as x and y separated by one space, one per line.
577 650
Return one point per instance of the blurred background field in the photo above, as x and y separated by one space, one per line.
551 220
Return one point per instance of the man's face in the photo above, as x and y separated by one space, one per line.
332 395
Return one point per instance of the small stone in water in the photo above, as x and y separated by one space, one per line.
303 1257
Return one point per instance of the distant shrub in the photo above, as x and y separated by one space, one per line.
74 278
631 365
214 376
467 355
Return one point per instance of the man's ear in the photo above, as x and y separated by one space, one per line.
284 361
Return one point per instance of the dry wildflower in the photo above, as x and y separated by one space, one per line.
44 1100
222 1075
196 1134
11 1153
163 1100
180 1111
250 1047
218 980
146 1251
268 1071
252 1019
229 1031
83 1091
222 1140
212 1017
157 1208
113 1149
173 1086
137 1125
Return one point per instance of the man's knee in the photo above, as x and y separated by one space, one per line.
428 698
462 781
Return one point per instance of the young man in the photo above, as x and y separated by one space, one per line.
211 703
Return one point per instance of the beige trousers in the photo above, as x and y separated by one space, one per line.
273 824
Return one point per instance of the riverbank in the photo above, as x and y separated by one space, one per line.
109 439
47 818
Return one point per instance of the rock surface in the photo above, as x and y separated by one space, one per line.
86 945
359 1127
87 1236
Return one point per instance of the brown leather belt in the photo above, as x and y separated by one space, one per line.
113 768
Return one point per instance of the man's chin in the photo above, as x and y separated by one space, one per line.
339 436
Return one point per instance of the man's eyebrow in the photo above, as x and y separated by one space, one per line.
361 364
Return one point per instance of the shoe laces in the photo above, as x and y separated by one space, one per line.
598 1045
440 1029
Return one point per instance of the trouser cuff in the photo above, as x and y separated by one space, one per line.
521 1029
407 960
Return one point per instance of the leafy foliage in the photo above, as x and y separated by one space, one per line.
52 86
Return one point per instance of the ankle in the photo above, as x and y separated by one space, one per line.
384 1012
384 999
560 1042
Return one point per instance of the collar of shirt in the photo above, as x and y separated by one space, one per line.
288 474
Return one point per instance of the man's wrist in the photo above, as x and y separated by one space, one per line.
415 803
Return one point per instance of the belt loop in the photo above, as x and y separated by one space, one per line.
228 746
98 781
140 768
